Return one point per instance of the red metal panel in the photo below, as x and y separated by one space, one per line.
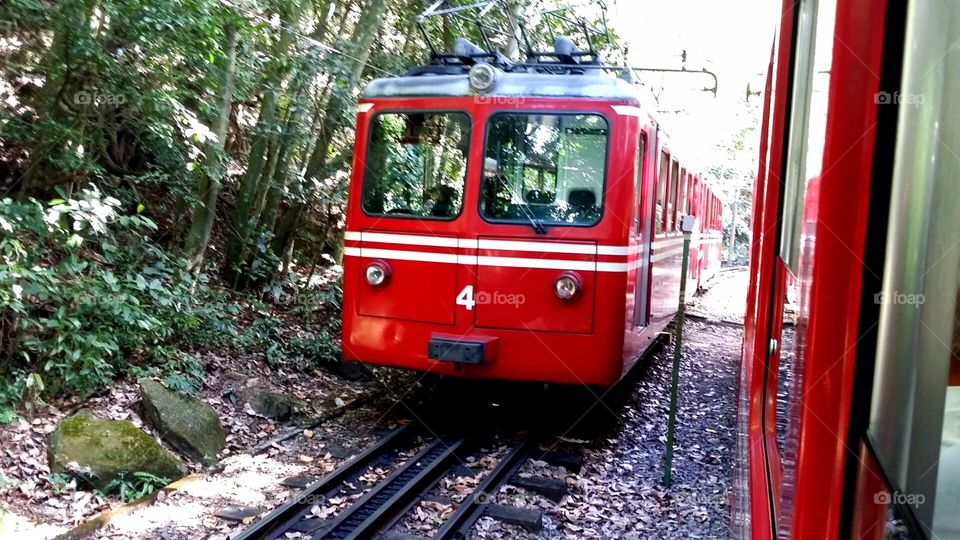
415 290
524 298
832 322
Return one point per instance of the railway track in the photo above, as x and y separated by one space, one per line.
385 504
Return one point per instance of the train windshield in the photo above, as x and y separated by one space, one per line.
416 165
544 168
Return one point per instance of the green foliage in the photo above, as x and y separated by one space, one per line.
185 374
111 107
316 348
259 336
7 416
131 489
86 295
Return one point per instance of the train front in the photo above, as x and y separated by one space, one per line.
487 227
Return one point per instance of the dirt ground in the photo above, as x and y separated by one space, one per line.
617 494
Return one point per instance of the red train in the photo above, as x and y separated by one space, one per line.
854 431
516 220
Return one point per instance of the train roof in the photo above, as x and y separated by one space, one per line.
590 85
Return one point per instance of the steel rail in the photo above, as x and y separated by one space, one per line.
365 517
280 520
458 525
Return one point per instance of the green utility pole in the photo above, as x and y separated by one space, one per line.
687 227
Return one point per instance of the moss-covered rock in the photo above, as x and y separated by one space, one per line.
189 425
98 451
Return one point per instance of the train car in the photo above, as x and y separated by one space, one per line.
516 220
849 420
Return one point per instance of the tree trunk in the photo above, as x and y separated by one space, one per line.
72 25
210 178
288 141
242 224
361 41
513 14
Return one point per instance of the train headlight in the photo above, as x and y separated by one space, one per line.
567 286
377 273
482 77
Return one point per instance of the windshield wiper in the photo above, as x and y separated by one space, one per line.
538 226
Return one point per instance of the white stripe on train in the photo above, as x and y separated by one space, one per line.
517 245
511 262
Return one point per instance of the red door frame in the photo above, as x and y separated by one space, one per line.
832 327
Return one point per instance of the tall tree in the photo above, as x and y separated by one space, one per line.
210 177
242 223
334 111
64 70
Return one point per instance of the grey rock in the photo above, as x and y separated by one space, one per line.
189 425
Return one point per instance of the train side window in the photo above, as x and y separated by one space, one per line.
702 207
416 165
641 165
914 423
672 198
808 109
684 186
545 167
914 429
693 194
660 218
709 208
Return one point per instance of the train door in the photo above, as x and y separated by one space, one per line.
643 227
813 209
782 354
659 287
